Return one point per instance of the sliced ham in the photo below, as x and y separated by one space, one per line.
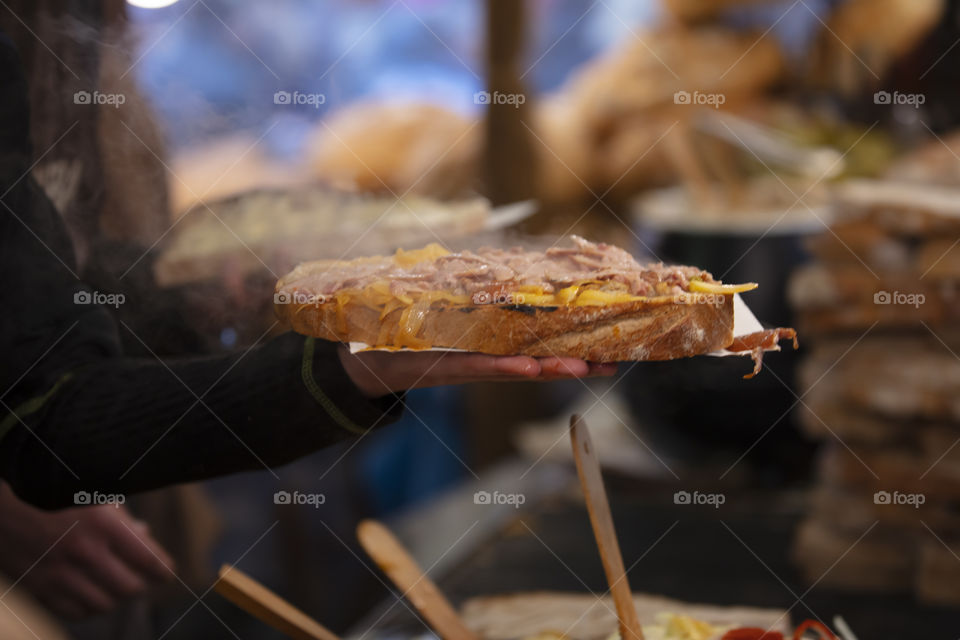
467 272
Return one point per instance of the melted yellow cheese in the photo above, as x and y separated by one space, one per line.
567 294
599 297
427 254
699 286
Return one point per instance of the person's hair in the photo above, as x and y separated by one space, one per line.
53 40
102 179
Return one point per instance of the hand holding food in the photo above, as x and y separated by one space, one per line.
377 372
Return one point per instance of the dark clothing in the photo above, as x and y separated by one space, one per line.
75 415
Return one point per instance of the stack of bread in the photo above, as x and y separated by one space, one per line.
879 308
601 129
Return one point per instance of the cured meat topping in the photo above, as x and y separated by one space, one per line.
467 272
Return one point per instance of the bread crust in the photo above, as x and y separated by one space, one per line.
650 329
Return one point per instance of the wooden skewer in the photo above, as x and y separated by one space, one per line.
265 605
588 468
394 560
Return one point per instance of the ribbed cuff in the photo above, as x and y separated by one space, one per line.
329 384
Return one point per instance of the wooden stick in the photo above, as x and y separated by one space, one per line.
588 468
265 605
394 560
509 160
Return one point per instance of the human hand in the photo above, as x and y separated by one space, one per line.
78 562
377 373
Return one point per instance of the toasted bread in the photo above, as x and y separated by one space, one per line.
656 329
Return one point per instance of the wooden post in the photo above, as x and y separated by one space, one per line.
508 159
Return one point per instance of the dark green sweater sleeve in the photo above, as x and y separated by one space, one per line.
123 425
77 415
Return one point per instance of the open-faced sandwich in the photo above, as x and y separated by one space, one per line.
586 300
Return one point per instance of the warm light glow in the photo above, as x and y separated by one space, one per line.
151 4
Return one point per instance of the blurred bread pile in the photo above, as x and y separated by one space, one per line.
626 120
397 147
601 130
880 306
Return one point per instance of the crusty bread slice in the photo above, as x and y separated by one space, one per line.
653 329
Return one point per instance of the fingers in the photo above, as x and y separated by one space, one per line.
117 577
563 368
458 368
464 367
553 368
106 569
519 366
109 561
132 543
378 373
472 367
112 558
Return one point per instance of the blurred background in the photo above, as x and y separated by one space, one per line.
808 145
